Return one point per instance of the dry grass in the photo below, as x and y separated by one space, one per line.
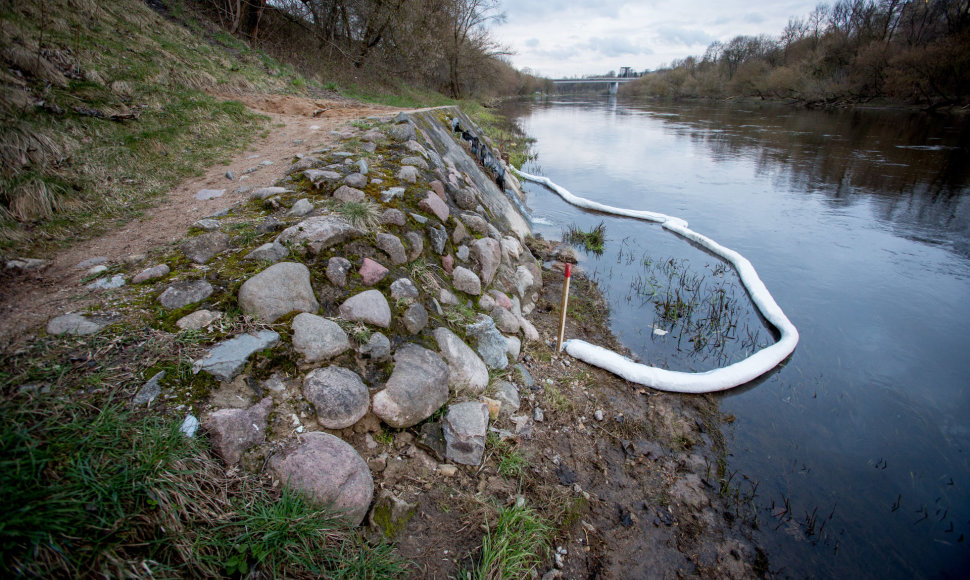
423 275
363 215
34 64
119 59
194 79
23 144
32 198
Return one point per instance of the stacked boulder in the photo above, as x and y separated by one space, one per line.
360 293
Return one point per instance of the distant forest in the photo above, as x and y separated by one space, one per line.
439 45
854 51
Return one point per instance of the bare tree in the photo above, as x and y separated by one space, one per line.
240 16
468 20
794 31
815 21
713 52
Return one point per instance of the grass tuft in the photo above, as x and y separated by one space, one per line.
363 215
422 273
511 463
592 241
458 316
514 547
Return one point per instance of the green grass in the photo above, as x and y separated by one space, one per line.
103 492
557 399
516 545
385 437
400 95
358 331
458 316
593 240
363 215
128 117
511 463
506 134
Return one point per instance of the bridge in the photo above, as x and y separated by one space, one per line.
614 82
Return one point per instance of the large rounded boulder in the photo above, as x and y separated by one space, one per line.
330 473
278 290
338 394
417 388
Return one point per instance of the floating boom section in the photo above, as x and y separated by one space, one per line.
715 380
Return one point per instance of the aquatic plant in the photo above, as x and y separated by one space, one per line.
705 308
593 240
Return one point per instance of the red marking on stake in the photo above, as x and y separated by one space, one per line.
562 311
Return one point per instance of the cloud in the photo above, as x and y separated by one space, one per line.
559 53
540 10
615 46
575 37
674 35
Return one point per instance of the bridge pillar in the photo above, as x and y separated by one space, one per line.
614 86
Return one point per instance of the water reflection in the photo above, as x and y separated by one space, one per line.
858 222
915 166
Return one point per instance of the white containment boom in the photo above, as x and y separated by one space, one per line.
719 379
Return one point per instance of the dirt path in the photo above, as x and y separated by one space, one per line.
296 125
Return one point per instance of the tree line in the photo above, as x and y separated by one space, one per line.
439 45
853 51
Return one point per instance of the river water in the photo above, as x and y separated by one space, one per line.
853 455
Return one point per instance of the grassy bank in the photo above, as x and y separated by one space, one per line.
516 146
107 106
88 491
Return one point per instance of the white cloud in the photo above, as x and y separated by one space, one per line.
674 35
614 46
576 37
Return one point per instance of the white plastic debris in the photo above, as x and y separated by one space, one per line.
189 426
719 379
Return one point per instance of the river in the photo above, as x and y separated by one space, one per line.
852 457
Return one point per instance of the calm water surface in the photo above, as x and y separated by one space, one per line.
859 224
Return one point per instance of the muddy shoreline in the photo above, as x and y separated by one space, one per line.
633 479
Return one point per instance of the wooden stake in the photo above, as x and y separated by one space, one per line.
565 300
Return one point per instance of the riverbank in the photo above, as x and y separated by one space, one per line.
648 466
615 478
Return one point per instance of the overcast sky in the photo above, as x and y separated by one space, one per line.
561 38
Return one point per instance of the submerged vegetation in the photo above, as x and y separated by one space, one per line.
593 240
706 313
